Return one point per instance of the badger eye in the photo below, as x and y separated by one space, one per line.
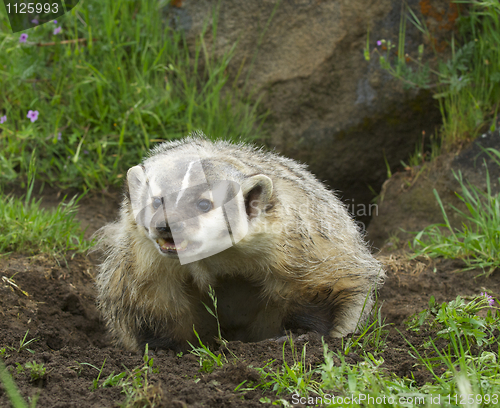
156 202
204 205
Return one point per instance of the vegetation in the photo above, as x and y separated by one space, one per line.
460 317
11 389
92 92
23 344
135 384
477 242
467 86
466 80
37 371
296 377
467 369
25 227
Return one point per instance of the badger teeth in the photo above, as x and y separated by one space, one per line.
165 245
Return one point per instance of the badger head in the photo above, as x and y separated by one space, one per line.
192 208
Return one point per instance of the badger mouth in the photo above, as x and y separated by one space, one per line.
167 245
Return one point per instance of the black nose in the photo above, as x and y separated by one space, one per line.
170 228
162 229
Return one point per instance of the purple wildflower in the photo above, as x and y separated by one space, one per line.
379 43
489 298
55 21
33 115
57 30
3 119
85 152
59 137
34 21
23 38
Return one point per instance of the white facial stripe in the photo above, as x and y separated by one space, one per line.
154 189
185 183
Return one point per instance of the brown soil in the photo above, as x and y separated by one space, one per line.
55 300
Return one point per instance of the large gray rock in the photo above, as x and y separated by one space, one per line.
328 106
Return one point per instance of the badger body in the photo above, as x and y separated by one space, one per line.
278 248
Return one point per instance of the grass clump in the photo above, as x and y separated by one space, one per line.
477 242
25 227
423 153
460 318
114 80
209 361
466 80
372 334
135 384
11 389
23 344
367 384
37 371
294 378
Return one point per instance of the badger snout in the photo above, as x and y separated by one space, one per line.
174 228
166 233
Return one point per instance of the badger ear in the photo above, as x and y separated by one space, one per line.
137 184
257 191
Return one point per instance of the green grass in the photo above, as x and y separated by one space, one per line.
459 317
296 377
463 365
477 242
207 358
37 371
371 335
471 78
467 84
116 80
135 384
11 389
424 152
23 344
459 369
27 228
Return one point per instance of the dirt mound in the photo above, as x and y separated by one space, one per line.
407 201
56 302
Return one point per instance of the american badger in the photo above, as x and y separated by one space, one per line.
280 250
